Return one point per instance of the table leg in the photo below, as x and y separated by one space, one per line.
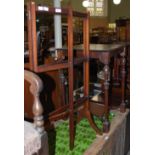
91 120
71 130
123 72
116 81
87 113
62 87
106 123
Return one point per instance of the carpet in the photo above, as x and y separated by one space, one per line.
59 140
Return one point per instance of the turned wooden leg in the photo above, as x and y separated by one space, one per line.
123 72
71 108
116 81
62 87
71 113
106 124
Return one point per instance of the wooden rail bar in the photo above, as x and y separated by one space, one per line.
61 11
49 67
59 116
59 110
51 10
63 112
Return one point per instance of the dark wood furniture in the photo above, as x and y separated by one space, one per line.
66 110
123 29
80 108
38 123
104 52
117 62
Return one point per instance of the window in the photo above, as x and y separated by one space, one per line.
97 7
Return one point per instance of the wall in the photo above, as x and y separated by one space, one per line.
98 22
94 21
76 4
116 11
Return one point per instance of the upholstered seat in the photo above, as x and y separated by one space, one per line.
32 139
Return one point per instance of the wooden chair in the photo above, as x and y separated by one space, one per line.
35 137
